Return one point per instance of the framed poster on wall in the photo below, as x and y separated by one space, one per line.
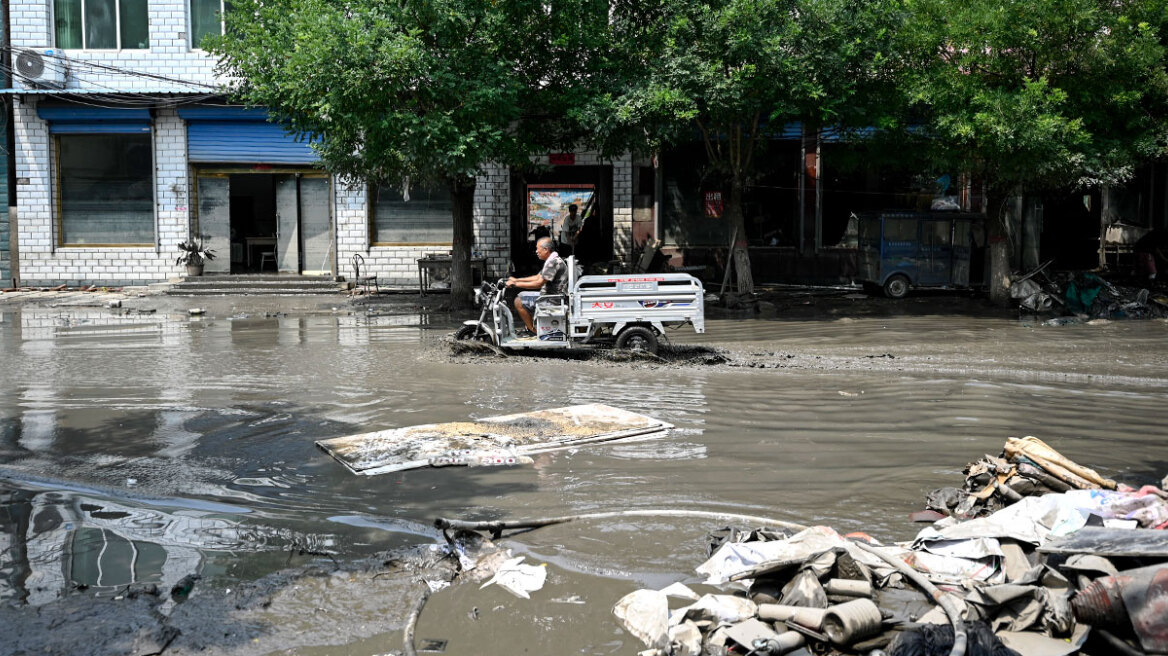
547 206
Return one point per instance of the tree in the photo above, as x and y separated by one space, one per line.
1035 95
412 91
724 71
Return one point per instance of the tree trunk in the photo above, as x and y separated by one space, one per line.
1004 221
737 224
462 193
1030 234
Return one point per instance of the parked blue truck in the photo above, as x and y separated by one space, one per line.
903 250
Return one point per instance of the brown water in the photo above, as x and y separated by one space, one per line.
142 448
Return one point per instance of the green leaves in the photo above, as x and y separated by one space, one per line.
1036 93
432 89
1020 91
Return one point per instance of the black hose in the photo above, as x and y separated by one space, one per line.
497 527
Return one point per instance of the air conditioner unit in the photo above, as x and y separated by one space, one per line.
41 68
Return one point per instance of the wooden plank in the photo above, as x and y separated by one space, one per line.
523 434
1139 542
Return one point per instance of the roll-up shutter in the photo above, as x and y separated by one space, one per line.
240 136
95 120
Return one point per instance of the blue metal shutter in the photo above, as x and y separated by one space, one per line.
239 136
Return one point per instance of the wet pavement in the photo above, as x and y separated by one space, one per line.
141 444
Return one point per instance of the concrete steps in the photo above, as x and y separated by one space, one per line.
221 285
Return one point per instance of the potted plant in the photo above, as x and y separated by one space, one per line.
194 254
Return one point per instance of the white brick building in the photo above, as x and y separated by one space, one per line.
124 148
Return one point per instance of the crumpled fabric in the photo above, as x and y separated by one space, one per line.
716 538
645 614
517 578
716 608
1033 519
1148 510
733 558
804 590
1082 292
1012 607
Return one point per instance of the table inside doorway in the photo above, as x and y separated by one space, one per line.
434 262
253 243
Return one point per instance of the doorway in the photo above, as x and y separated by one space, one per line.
266 221
595 241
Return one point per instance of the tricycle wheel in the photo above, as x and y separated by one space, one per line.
637 338
896 286
472 333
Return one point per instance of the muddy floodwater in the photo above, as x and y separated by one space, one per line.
143 447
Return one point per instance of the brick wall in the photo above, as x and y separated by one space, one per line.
5 255
397 266
44 262
169 54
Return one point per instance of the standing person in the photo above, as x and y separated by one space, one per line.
1151 255
549 280
570 230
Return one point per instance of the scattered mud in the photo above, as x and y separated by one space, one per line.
322 603
141 448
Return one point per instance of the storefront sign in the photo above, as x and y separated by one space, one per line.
714 204
562 159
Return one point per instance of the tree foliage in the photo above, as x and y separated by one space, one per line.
731 72
1038 94
424 91
430 90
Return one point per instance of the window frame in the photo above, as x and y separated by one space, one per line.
371 205
59 217
191 23
117 28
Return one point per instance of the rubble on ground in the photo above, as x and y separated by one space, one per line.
1034 555
1086 295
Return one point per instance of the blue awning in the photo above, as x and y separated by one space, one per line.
95 120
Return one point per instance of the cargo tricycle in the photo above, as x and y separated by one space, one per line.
628 311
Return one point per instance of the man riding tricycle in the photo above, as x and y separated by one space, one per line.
629 311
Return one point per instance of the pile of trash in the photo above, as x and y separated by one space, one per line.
1034 555
1086 295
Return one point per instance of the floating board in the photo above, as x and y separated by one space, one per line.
507 439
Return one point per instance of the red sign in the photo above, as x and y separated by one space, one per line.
562 159
713 204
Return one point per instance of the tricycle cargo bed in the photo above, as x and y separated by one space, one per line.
663 298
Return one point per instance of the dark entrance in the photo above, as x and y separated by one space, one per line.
275 222
253 223
595 245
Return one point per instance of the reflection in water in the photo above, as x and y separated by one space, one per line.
55 542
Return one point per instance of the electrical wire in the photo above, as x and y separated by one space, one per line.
104 95
62 63
120 98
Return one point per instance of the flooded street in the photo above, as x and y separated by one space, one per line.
146 447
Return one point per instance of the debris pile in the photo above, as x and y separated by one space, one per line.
1086 295
1035 555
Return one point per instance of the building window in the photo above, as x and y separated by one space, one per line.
424 219
105 189
207 19
102 24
